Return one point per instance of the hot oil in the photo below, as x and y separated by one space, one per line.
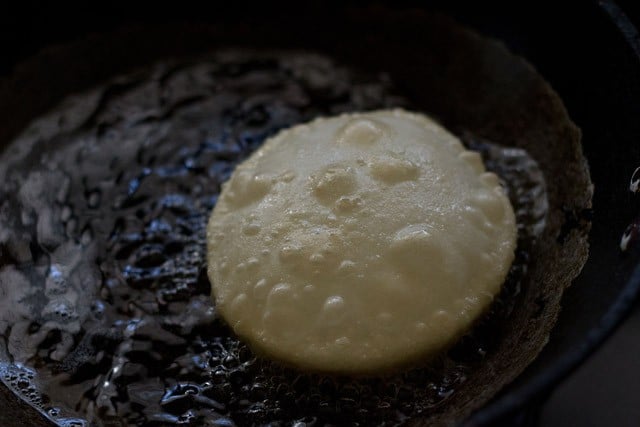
105 314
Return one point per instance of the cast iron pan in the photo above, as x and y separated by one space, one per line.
590 55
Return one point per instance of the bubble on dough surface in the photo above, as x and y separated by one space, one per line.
359 243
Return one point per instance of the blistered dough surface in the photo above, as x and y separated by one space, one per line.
359 242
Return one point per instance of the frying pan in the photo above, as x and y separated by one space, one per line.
589 53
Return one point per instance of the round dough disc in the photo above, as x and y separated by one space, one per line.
359 243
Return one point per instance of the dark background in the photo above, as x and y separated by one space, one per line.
27 26
610 379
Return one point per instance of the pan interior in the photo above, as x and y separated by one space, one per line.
102 256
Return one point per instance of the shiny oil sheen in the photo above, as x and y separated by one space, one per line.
105 315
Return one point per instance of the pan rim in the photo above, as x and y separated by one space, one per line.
533 391
607 324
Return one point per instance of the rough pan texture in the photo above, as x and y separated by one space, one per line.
466 82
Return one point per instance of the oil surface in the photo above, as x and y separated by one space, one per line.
105 314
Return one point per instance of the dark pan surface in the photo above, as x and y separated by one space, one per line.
604 108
